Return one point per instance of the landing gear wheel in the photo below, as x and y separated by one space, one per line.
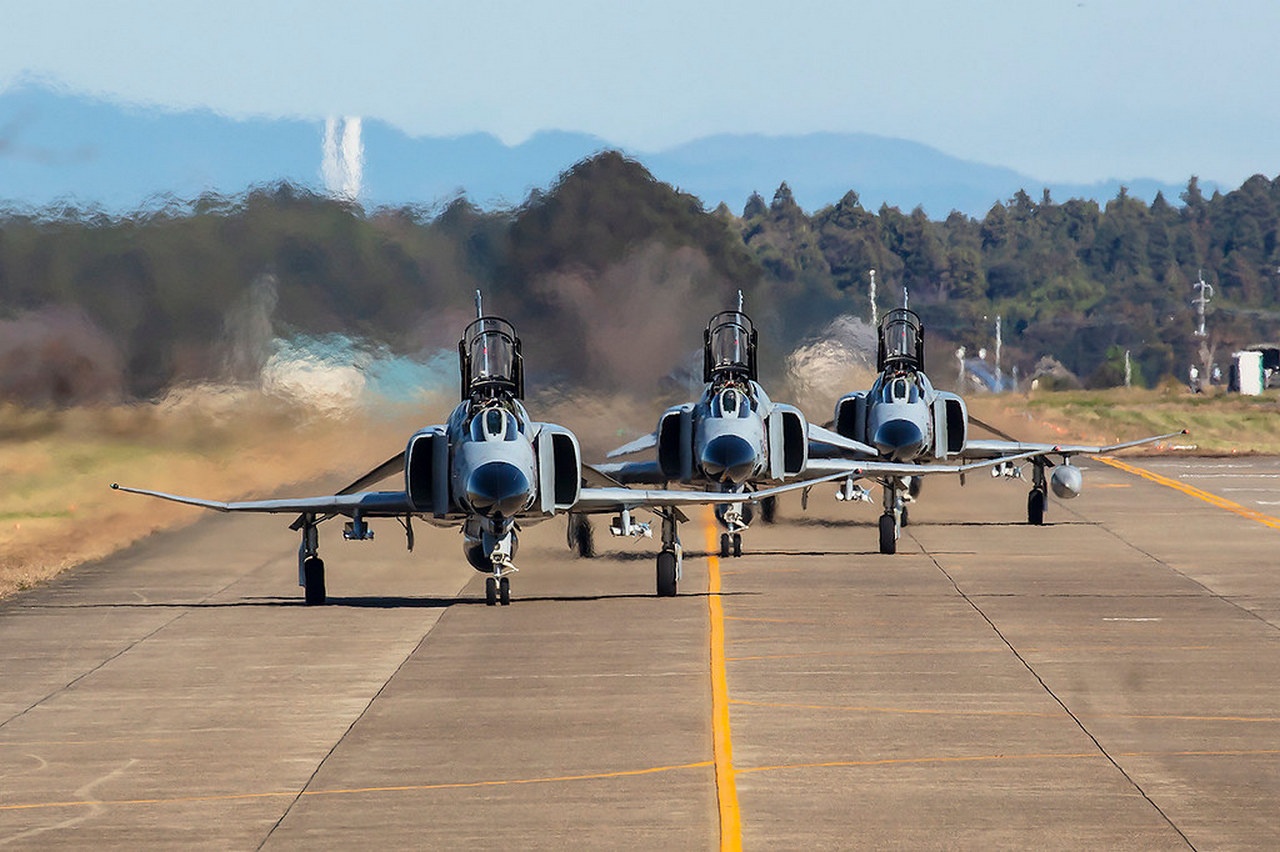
725 544
490 591
667 574
504 591
1036 500
737 544
904 516
582 537
313 580
768 509
888 535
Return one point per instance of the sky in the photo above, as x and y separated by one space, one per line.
1059 90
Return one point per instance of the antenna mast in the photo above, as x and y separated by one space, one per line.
479 309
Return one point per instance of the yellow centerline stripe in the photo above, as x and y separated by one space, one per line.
726 784
1191 490
405 788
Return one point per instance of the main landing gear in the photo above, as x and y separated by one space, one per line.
310 565
671 557
894 517
1038 496
581 538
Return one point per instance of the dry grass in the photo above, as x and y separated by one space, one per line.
1220 424
56 509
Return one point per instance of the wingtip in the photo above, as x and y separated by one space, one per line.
115 486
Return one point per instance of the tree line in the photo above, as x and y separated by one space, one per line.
608 271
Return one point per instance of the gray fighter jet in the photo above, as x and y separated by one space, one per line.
490 470
907 420
734 439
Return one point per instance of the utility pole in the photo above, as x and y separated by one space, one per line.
1200 301
999 380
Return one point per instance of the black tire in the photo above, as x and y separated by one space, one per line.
737 544
1036 501
584 539
313 580
904 516
888 535
667 574
490 591
768 509
724 545
504 591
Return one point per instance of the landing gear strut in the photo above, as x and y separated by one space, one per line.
670 559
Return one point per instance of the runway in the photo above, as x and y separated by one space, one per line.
1109 680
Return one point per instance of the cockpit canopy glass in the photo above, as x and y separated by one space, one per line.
730 340
731 402
491 349
494 424
900 336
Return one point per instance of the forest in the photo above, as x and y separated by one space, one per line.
610 275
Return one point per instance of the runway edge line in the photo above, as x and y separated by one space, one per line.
1192 491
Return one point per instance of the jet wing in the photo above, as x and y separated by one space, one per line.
390 467
990 449
367 503
645 442
824 469
615 499
633 473
834 439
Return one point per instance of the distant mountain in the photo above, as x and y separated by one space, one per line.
57 147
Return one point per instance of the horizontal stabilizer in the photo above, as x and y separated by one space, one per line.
835 439
644 442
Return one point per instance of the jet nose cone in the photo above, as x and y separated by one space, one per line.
497 488
728 458
899 439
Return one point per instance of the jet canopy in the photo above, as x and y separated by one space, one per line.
729 346
490 360
901 341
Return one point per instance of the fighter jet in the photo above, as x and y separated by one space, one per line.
734 439
908 421
490 469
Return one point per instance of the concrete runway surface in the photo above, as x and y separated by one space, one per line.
1108 681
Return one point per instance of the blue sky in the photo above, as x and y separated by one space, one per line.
1057 89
